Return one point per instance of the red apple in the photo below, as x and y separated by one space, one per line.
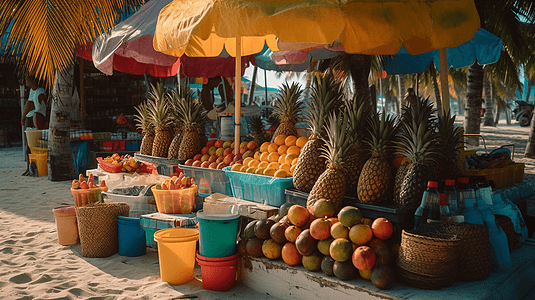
219 159
205 150
197 163
320 229
363 258
221 165
197 157
237 157
243 150
210 143
228 159
227 151
213 135
382 228
189 162
212 158
205 164
219 143
213 165
252 145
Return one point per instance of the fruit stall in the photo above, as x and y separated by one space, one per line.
369 205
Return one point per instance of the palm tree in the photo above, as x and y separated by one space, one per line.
50 32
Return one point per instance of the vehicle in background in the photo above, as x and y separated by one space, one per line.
523 112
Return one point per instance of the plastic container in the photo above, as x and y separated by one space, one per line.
218 232
153 222
33 136
141 204
180 201
82 197
259 188
427 209
131 237
176 254
41 161
66 225
451 196
209 180
218 274
38 150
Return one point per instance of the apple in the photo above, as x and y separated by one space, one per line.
243 150
227 151
237 157
205 164
221 165
247 153
197 157
252 145
243 144
212 150
220 151
239 161
219 159
196 163
227 144
219 143
212 158
213 135
363 258
213 165
232 145
205 150
205 157
228 159
189 162
210 143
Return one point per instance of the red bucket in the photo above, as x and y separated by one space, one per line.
218 274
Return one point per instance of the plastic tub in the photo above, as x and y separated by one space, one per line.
259 188
140 204
131 237
218 274
209 180
66 225
176 254
33 137
217 231
82 197
180 201
41 161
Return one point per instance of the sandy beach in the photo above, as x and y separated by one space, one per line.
35 266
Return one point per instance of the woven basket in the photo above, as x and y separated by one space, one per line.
424 282
97 227
513 238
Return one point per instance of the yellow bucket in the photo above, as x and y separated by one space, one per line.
176 253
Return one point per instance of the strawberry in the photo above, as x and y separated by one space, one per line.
83 185
75 184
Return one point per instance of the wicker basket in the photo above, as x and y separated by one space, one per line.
513 238
97 226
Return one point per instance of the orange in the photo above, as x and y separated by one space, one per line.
246 161
279 139
290 140
269 172
250 170
286 167
289 158
294 149
244 169
282 149
236 167
281 174
257 155
360 234
273 157
301 141
263 164
264 147
273 148
273 165
282 159
260 171
253 163
294 162
264 156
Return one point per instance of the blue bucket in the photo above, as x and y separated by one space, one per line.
217 233
131 237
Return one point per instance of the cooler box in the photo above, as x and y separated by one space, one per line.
141 204
158 221
209 180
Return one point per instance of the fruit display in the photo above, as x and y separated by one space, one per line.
81 183
176 183
217 154
123 163
344 245
277 159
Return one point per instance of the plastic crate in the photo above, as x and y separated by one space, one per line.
259 188
209 180
157 221
180 201
141 204
40 161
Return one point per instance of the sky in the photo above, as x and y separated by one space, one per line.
272 80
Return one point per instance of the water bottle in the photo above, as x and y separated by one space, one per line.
423 211
445 213
464 192
484 199
451 196
499 248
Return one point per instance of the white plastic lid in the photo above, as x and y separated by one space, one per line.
231 214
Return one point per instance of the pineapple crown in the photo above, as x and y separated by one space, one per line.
450 137
192 112
142 118
177 95
337 144
257 124
158 110
383 129
418 139
327 96
288 105
360 112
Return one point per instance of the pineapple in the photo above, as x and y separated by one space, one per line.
326 97
257 126
418 142
331 184
450 140
181 93
376 179
288 108
194 119
145 125
161 120
359 111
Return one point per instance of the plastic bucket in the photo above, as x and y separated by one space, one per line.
176 254
218 233
218 274
66 225
131 237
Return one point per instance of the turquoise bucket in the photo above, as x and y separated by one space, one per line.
217 233
131 237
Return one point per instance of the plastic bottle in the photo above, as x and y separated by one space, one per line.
499 248
471 214
445 213
423 211
484 198
451 196
464 192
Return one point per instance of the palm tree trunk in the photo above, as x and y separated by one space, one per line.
253 85
488 119
497 115
438 101
530 147
472 112
60 160
360 71
401 87
308 84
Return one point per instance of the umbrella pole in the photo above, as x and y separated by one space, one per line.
444 79
237 114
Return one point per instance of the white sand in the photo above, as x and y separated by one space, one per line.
34 265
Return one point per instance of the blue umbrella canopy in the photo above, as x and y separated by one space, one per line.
485 47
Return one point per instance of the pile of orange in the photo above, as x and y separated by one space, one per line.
277 159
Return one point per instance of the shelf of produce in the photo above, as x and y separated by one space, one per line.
209 180
164 166
94 154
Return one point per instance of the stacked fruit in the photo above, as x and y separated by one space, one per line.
276 159
176 183
89 184
218 154
341 246
126 162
